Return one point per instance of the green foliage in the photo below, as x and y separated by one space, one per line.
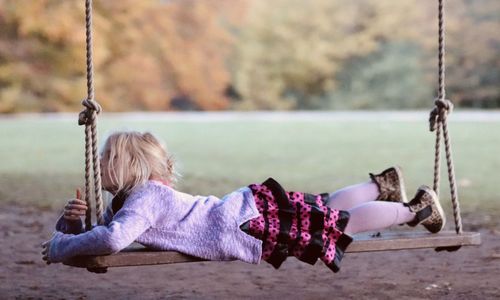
390 78
291 51
473 57
285 51
300 55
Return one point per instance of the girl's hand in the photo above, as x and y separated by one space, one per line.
75 208
45 251
46 248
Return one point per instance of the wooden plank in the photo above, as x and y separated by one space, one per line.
137 255
388 241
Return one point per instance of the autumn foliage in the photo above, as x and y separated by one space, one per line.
246 54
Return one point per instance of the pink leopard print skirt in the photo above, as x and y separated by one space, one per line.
297 224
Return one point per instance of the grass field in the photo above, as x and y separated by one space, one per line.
42 158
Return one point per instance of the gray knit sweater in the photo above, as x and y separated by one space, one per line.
162 218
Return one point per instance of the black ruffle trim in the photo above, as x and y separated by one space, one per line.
285 215
342 243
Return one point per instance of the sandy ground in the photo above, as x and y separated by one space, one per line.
470 273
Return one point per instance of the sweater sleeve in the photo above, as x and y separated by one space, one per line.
108 215
126 226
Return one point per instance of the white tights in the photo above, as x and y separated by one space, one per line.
367 214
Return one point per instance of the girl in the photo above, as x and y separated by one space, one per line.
259 221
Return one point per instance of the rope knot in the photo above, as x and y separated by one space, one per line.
444 104
85 116
438 114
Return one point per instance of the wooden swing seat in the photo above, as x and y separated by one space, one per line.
137 255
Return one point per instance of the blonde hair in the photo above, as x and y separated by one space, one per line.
133 158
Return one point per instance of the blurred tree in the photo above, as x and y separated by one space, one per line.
393 77
288 54
38 69
473 53
292 52
145 54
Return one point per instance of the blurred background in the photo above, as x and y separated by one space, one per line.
193 57
247 54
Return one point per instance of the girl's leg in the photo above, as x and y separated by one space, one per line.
377 215
354 195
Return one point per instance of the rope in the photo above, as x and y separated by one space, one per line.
88 117
438 122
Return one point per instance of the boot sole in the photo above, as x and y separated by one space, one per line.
437 205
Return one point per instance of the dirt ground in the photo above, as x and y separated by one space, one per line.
470 273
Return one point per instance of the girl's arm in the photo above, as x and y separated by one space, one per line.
108 215
139 213
126 227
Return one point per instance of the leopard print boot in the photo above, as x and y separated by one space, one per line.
390 185
428 210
